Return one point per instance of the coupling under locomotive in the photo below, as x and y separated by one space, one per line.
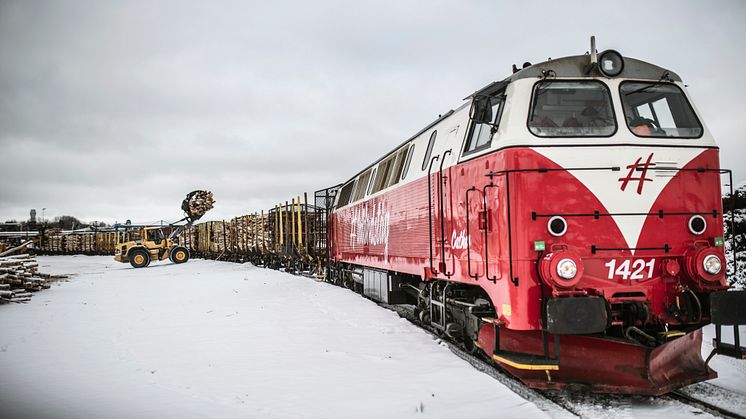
565 222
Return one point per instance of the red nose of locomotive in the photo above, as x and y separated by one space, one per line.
652 256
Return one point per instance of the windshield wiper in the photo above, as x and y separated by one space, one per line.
665 78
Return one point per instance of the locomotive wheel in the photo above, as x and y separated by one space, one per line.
179 255
139 258
424 317
469 345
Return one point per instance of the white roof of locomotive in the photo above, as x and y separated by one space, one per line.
513 130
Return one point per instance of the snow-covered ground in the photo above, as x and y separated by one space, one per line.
216 339
222 340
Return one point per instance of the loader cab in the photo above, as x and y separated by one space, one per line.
154 235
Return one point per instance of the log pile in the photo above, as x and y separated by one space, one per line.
251 234
198 203
53 241
221 234
87 242
90 242
105 242
247 234
19 277
73 243
189 238
242 232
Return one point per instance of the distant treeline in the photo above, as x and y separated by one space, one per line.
738 207
64 222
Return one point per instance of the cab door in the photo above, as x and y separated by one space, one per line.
443 210
478 194
155 241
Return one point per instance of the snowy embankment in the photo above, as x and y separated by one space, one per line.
215 339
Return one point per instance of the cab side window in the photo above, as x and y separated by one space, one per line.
345 194
429 151
155 235
362 186
406 163
481 134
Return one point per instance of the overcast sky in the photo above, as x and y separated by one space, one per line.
115 110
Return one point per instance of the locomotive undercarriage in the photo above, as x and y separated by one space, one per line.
455 310
636 355
632 319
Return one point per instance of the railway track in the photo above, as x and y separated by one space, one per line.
711 398
696 400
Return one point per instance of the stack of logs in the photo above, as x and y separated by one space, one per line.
88 242
72 243
250 233
199 202
19 277
246 234
54 241
213 236
105 242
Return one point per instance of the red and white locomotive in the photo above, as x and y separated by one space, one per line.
566 221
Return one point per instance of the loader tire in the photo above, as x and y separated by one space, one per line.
139 258
179 254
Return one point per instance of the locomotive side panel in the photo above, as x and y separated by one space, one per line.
385 231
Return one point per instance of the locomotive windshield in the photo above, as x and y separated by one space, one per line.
571 109
658 110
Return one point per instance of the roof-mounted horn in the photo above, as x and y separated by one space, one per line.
594 57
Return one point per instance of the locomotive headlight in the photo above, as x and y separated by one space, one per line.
561 269
712 264
704 263
567 269
610 63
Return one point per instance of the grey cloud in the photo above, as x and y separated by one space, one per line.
114 110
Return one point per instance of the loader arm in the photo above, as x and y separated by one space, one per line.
180 228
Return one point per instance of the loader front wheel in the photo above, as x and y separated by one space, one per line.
179 254
139 258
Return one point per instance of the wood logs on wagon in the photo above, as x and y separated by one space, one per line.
105 242
55 241
291 230
247 234
19 277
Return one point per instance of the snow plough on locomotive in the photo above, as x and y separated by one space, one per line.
153 243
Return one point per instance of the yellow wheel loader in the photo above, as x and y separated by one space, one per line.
154 245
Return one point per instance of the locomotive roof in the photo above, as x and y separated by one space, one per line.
578 66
